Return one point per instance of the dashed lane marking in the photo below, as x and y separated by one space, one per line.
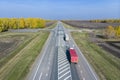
48 68
46 74
81 71
83 78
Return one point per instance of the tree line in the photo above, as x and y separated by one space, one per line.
112 32
21 23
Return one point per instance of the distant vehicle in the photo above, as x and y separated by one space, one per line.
66 37
73 55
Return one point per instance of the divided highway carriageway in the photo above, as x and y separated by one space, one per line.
53 62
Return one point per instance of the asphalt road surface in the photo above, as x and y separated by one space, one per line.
53 62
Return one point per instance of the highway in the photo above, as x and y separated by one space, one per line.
53 64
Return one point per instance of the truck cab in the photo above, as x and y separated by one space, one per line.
73 55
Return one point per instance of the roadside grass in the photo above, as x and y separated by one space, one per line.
17 67
106 65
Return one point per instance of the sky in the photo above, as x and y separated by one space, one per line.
61 9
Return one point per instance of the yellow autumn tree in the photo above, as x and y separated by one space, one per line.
110 32
34 22
0 25
118 31
27 23
4 24
42 23
21 23
15 23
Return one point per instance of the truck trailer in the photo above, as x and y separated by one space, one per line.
66 37
73 55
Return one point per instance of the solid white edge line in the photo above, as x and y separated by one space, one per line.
40 76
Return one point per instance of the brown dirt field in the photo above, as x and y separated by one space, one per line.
113 47
8 44
114 44
89 25
50 23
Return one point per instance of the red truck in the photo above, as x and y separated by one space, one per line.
73 55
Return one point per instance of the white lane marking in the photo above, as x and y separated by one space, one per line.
38 66
48 68
67 65
78 65
40 76
64 70
63 75
49 62
83 78
60 59
63 64
67 77
59 55
60 62
81 71
46 74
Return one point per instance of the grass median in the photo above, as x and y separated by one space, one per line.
106 65
17 67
